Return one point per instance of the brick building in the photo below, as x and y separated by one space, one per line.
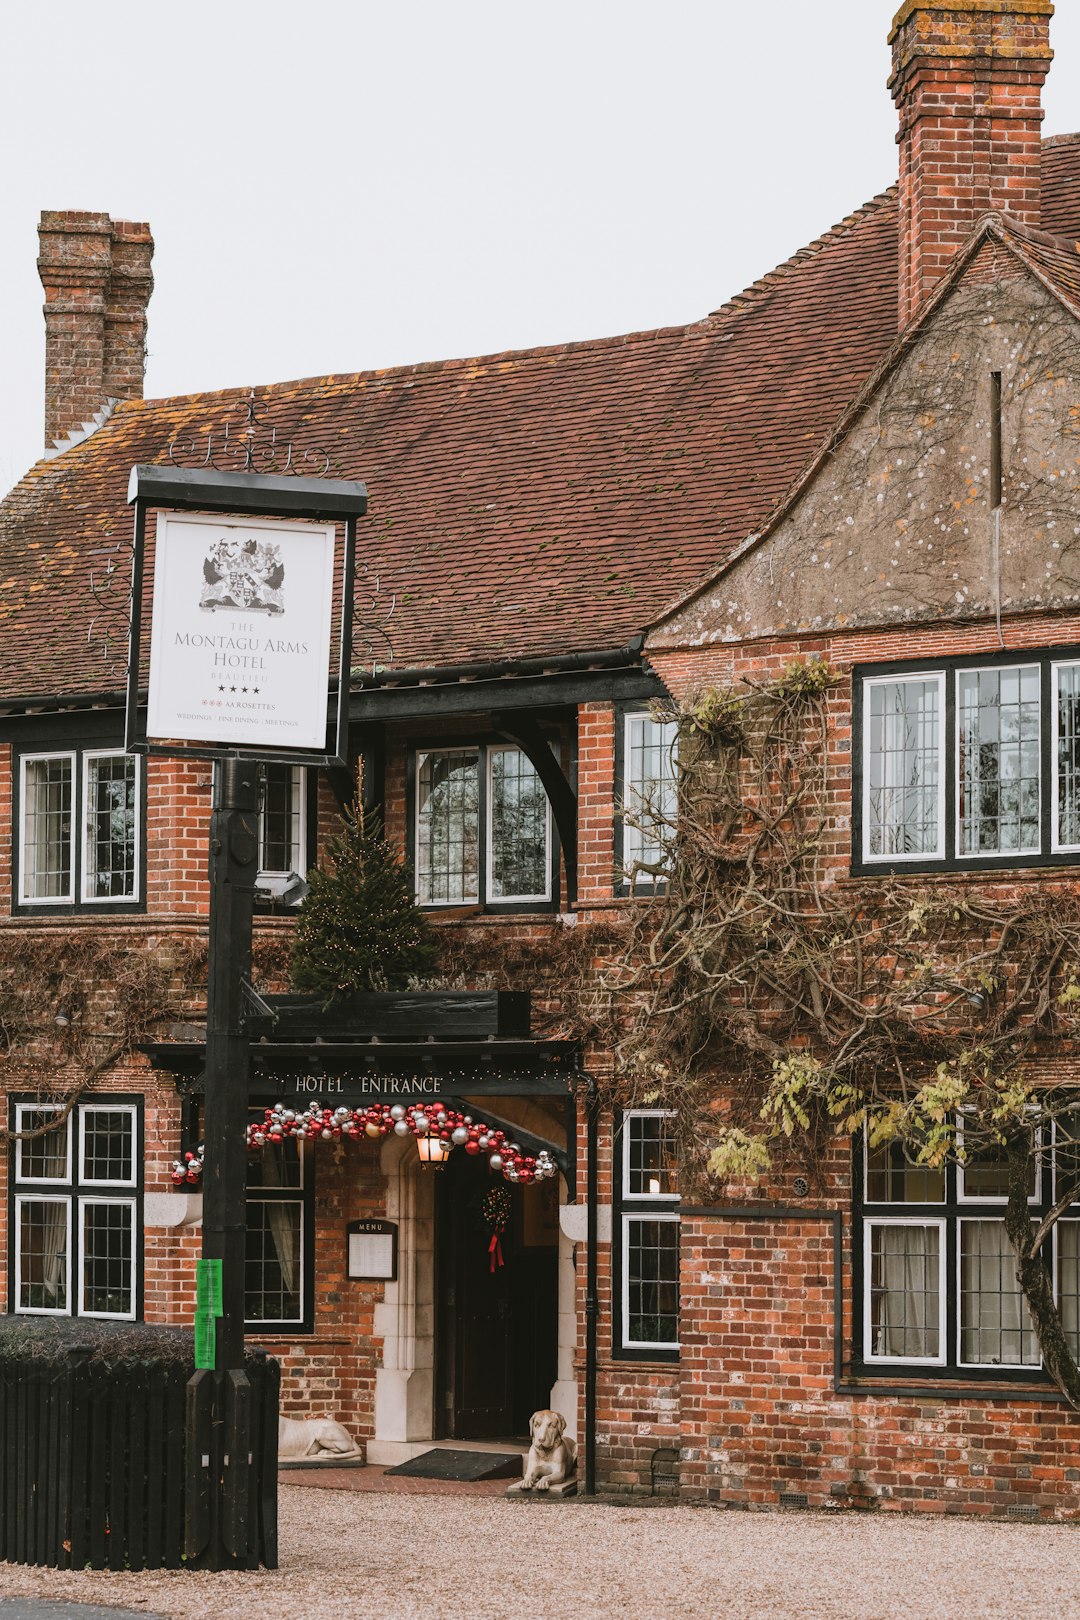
868 456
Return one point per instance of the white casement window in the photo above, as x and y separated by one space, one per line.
939 1282
278 1234
998 730
482 829
1065 755
649 1232
649 798
75 1229
47 829
904 1297
994 1326
79 828
518 829
110 821
282 826
903 783
998 743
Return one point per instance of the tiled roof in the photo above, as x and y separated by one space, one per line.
523 504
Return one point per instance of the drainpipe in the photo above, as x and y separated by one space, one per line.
591 1302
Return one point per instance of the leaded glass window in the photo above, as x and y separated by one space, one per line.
1067 755
649 1161
938 1276
902 767
651 1280
107 1257
282 825
904 1303
79 834
649 795
47 860
518 828
110 849
998 729
75 1239
448 827
995 1328
483 828
648 1192
276 1287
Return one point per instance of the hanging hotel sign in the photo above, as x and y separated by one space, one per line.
253 582
240 644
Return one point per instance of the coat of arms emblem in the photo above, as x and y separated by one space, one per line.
244 574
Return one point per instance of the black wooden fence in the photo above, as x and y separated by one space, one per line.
93 1468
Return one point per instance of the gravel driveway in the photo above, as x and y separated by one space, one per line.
368 1556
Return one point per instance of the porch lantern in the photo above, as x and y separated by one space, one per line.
433 1151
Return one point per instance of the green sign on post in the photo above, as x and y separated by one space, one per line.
207 1311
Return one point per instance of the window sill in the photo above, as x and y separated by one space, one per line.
909 1381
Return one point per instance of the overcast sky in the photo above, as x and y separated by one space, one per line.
339 184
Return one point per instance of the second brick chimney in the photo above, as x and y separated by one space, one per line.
97 280
967 80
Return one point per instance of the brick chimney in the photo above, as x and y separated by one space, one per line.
967 80
97 280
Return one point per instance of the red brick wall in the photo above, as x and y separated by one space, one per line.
760 1414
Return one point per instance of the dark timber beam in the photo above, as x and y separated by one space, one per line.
435 700
523 730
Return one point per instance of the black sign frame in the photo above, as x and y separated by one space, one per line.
371 1227
177 489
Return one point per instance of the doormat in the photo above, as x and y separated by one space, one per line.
446 1464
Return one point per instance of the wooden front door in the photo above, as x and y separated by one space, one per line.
497 1328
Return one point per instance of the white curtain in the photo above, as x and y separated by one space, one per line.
995 1329
904 1295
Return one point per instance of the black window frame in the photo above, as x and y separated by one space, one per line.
949 1212
77 1192
483 746
949 861
644 886
624 1205
52 743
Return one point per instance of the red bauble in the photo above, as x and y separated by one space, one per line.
472 1147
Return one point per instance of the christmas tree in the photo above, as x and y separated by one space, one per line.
359 927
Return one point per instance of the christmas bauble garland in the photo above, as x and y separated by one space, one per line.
453 1129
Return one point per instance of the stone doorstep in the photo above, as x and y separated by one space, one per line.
565 1487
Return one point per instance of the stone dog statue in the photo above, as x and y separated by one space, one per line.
552 1460
314 1440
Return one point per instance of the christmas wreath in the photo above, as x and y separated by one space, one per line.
495 1212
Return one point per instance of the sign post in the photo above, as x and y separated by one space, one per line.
239 672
